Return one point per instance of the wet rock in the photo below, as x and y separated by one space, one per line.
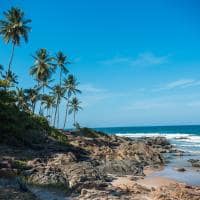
194 162
180 169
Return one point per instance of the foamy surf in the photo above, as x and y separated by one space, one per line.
183 141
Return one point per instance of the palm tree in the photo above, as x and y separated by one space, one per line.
21 100
32 95
61 63
58 93
13 28
43 67
1 70
48 102
70 87
74 105
11 78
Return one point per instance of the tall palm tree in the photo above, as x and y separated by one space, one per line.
74 105
43 68
32 95
48 102
58 93
21 100
62 61
70 86
13 28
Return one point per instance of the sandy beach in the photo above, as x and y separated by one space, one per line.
146 181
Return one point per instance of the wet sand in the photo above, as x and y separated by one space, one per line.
149 182
156 181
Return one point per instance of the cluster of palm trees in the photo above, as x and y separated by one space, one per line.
45 97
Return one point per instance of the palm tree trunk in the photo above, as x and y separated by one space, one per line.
41 107
66 114
33 108
11 57
58 115
48 114
54 122
51 115
74 118
60 76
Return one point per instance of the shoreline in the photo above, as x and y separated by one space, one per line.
148 180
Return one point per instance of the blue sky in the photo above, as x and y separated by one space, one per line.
138 61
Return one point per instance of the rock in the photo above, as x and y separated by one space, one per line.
195 163
33 163
122 167
157 141
176 192
180 169
138 152
178 154
8 173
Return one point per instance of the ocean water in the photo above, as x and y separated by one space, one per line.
186 138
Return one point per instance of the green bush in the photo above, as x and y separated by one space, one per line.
18 127
91 133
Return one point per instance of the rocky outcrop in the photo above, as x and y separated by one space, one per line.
177 192
105 155
87 165
195 163
136 192
139 152
64 170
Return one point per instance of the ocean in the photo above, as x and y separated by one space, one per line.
186 138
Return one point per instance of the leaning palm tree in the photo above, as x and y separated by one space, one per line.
13 28
32 95
62 61
74 105
70 86
58 93
43 68
21 100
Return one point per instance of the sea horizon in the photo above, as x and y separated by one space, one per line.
165 129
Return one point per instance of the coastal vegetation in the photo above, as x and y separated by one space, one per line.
23 109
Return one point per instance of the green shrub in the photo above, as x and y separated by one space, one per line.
91 133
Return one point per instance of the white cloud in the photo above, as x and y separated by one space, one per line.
143 60
148 105
92 95
147 59
90 88
178 84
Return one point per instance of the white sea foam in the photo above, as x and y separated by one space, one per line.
181 136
